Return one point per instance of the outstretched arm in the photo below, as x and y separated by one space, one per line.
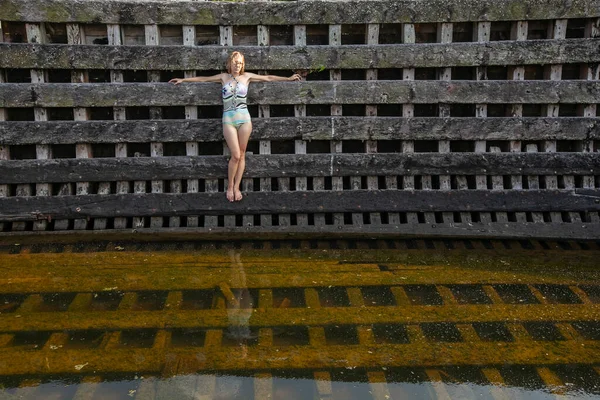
214 78
272 78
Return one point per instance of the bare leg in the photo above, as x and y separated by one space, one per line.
231 137
244 132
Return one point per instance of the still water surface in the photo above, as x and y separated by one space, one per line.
300 320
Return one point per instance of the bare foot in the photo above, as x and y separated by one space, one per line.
230 195
238 195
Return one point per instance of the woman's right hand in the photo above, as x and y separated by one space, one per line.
176 81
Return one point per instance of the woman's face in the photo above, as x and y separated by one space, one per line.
236 65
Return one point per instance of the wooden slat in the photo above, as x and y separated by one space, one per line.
267 166
218 319
324 92
410 55
303 128
154 204
395 11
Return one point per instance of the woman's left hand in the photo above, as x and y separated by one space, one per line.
295 77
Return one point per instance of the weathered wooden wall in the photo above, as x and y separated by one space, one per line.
432 118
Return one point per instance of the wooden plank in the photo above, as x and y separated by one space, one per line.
395 11
302 128
323 92
164 204
318 165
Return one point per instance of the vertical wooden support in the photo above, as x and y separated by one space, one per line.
75 35
533 182
482 34
444 74
264 111
299 112
519 33
591 73
156 149
408 111
4 149
335 39
36 34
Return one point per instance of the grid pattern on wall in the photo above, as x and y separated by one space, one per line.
448 127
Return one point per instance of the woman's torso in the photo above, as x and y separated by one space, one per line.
234 93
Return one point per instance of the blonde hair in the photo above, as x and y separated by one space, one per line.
233 55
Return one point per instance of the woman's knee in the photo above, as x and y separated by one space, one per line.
236 156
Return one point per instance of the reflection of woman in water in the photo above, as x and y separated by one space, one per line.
237 126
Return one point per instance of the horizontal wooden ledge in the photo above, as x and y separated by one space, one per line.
291 12
166 204
305 128
261 317
472 230
307 92
293 165
230 358
430 55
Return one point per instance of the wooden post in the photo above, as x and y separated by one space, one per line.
4 149
36 34
335 39
299 112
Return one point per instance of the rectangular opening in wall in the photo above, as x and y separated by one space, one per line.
570 110
133 35
353 110
168 74
537 30
497 73
56 33
205 112
17 75
389 110
103 150
135 76
389 74
95 33
462 146
318 147
390 33
318 110
498 110
576 28
283 110
98 75
354 74
462 32
253 147
207 35
101 113
173 112
354 34
463 73
500 30
353 146
22 152
245 35
532 110
211 149
425 33
462 110
573 72
426 146
63 151
14 32
425 74
253 110
19 114
60 114
503 145
318 75
59 75
281 35
138 150
317 35
567 146
133 113
389 146
173 149
426 110
170 35
282 147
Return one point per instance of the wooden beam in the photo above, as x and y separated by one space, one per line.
311 92
290 165
164 204
302 128
285 13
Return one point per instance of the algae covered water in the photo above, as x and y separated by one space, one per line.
338 319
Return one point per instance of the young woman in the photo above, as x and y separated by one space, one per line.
237 126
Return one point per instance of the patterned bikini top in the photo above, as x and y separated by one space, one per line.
234 95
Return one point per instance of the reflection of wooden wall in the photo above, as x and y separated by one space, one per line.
405 109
